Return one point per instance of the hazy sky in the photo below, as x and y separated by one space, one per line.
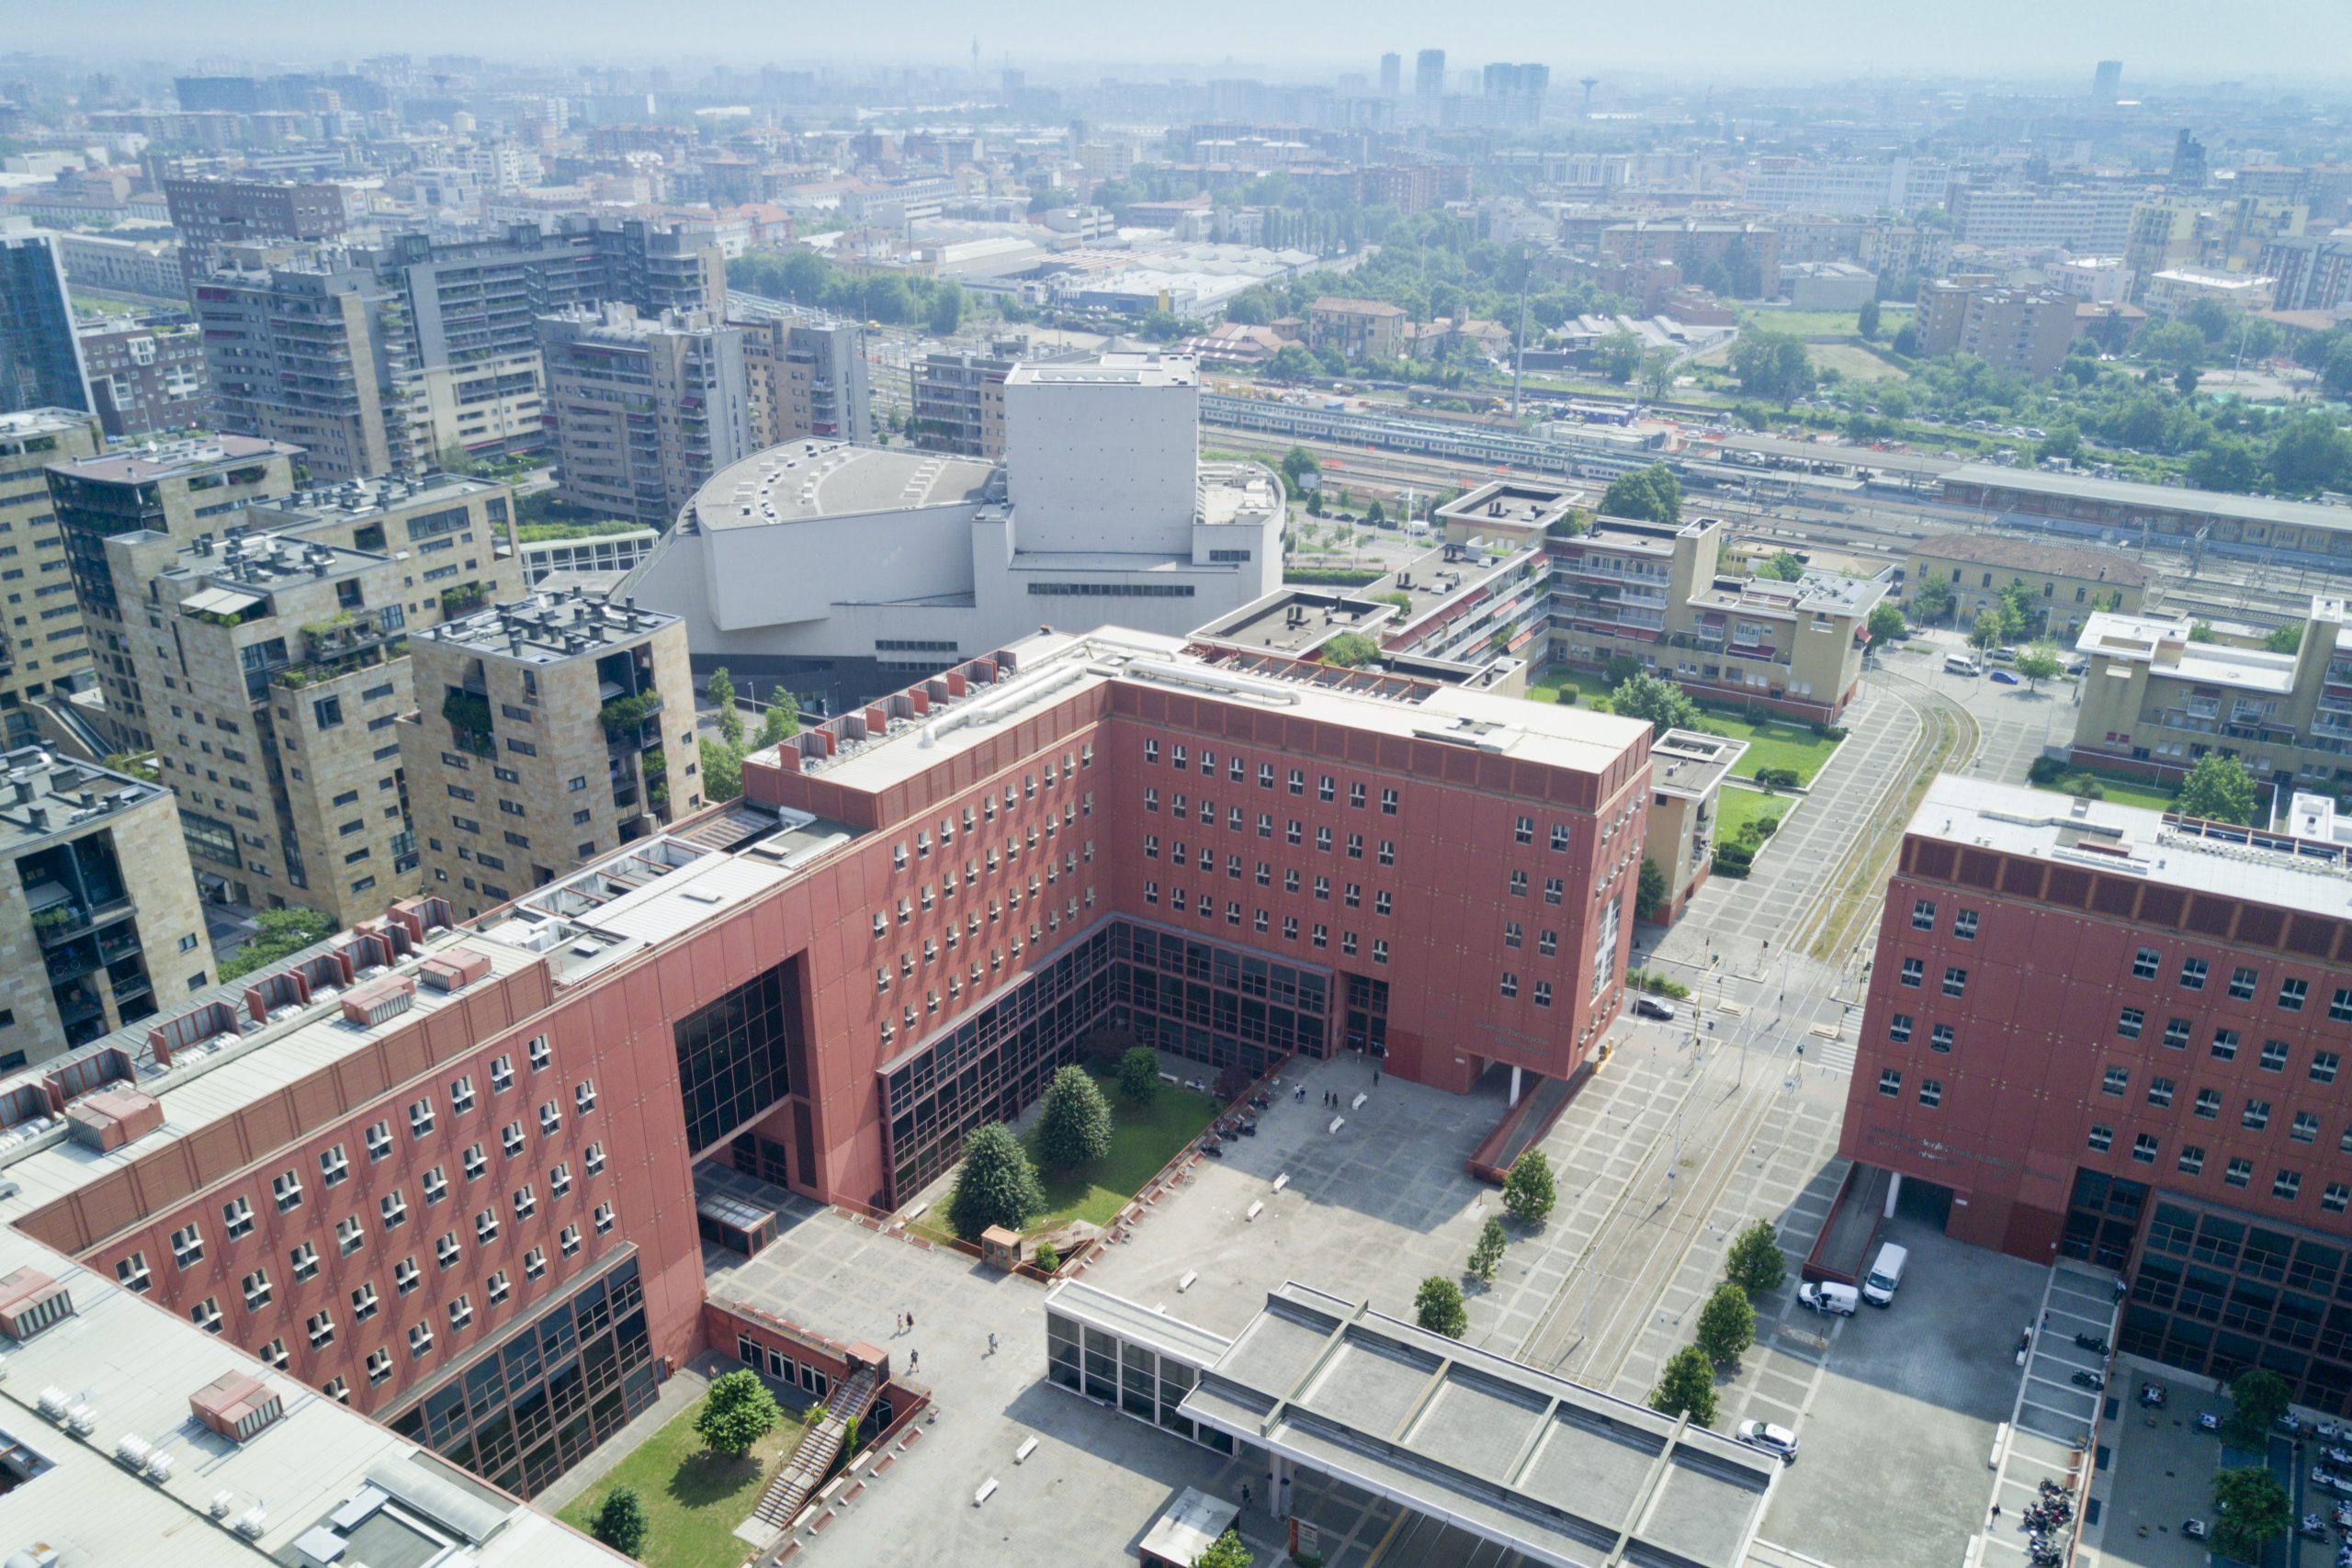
1703 39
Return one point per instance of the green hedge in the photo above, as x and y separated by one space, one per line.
1331 576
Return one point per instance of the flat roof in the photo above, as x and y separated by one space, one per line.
2041 554
1690 762
803 480
544 629
172 459
1111 370
1137 1324
72 798
2130 841
2163 498
357 500
41 422
1564 1473
1057 665
318 1466
2111 634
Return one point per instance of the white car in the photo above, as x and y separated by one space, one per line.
1770 1438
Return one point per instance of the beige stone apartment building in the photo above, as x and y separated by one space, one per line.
2071 581
1686 773
546 731
100 924
2155 700
43 646
274 662
1651 591
172 491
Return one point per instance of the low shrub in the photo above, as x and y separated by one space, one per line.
1777 778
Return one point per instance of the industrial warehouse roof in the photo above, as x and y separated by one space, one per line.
803 480
2131 494
1564 1473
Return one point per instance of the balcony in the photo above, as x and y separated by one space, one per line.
61 923
351 631
626 719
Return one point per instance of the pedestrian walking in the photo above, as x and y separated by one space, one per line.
910 1322
914 1360
1376 1077
992 1344
1245 1493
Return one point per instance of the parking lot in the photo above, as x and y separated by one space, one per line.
1912 1394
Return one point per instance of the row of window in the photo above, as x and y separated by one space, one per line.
1068 768
1237 771
1039 932
1180 902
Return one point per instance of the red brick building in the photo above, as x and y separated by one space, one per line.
2093 1032
447 1174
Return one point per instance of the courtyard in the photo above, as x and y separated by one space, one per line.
693 1498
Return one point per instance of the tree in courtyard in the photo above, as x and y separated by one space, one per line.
1140 1074
781 720
1075 1127
1783 565
283 932
1754 1262
1225 1551
2252 1510
1726 1323
1646 495
1489 1253
1933 598
1906 341
1437 1306
1687 1385
737 1412
2219 789
722 771
1348 650
2039 662
1987 632
1866 324
1528 1192
2258 1398
1886 623
2285 639
1651 892
996 1185
620 1522
722 697
1664 704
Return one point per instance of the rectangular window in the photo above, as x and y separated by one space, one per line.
2192 974
1940 1038
2242 984
2292 993
1923 915
320 1327
238 1217
2274 1056
1890 1082
2192 1161
348 1235
2117 1080
436 1185
2324 1066
2144 1149
2226 1044
462 1095
2257 1115
2304 1129
287 1188
304 1260
334 1165
394 1208
1963 924
1955 982
406 1276
187 1246
2177 1033
2146 963
2286 1184
1915 970
1898 1029
2209 1103
1932 1092
2102 1137
2160 1092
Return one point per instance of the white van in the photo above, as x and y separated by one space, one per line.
1879 1284
1962 664
1828 1298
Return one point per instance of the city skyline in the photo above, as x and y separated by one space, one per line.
2158 41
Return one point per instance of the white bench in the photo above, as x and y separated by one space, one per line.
1020 1455
987 1491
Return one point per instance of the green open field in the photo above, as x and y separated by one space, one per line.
1772 743
693 1498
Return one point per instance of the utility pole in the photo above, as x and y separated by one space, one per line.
1519 346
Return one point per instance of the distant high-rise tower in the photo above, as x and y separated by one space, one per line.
1392 75
1428 81
40 358
1515 92
2107 82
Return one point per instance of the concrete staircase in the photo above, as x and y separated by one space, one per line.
806 1471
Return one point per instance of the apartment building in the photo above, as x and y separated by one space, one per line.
956 400
41 355
547 731
611 549
172 491
2098 1032
1686 773
1651 593
381 359
44 648
145 381
2156 700
274 664
644 410
211 213
2095 218
1692 243
2307 273
2024 331
1861 187
2071 582
1359 329
807 377
123 264
100 925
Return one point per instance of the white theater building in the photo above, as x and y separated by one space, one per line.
838 569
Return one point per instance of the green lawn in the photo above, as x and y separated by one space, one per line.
1773 743
1141 1141
1735 808
2121 790
693 1498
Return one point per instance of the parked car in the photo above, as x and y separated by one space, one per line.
1654 1007
2152 1395
2003 655
1886 1274
1770 1438
1828 1298
2005 678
